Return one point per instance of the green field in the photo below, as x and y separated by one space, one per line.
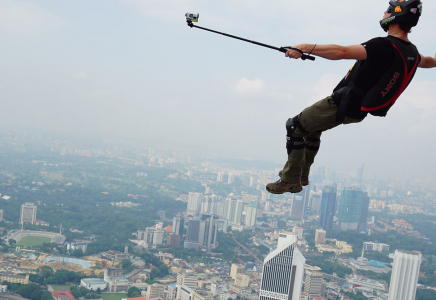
30 241
61 287
113 296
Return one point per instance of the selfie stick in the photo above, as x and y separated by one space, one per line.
281 49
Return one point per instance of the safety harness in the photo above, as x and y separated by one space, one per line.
379 99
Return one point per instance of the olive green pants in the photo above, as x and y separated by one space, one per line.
315 119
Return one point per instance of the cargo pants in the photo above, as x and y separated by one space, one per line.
314 119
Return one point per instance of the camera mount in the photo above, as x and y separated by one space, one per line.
284 49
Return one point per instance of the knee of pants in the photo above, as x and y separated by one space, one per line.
294 143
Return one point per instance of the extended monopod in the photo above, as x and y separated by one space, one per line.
190 18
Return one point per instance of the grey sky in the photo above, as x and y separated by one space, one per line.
133 68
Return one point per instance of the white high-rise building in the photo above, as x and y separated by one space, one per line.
283 270
28 213
250 217
233 209
404 276
194 203
1 214
209 204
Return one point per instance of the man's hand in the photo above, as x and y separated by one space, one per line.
295 54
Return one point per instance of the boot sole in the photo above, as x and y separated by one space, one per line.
279 193
303 183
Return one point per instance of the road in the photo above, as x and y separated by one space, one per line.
248 250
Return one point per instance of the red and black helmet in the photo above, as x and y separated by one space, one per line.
405 12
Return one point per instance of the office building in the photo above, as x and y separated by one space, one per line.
320 236
1 214
75 246
328 207
202 232
359 177
233 209
267 206
297 207
250 217
236 269
186 285
353 209
174 240
405 273
313 282
299 231
156 290
192 240
209 204
178 224
242 280
223 224
158 237
28 213
283 270
194 203
171 292
371 246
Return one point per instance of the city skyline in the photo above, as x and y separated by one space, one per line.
86 74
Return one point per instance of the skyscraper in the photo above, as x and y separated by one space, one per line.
1 214
233 209
283 270
202 232
250 217
28 213
328 207
193 234
209 204
178 224
297 207
353 209
194 203
404 276
359 177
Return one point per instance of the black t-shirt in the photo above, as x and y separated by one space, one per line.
380 57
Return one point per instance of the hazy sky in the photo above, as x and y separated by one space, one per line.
134 68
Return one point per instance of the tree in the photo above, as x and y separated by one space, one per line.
98 291
12 242
126 263
133 292
78 253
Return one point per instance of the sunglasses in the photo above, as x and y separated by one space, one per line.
390 9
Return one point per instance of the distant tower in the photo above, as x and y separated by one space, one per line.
353 209
1 214
360 175
283 270
126 249
250 217
404 278
194 203
313 284
28 213
328 207
297 207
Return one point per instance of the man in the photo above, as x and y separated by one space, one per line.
384 69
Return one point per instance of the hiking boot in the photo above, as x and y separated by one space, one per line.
280 187
304 179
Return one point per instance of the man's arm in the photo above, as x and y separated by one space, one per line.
427 62
332 52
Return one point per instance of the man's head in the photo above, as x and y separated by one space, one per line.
404 12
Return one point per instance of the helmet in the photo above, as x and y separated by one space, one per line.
406 12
